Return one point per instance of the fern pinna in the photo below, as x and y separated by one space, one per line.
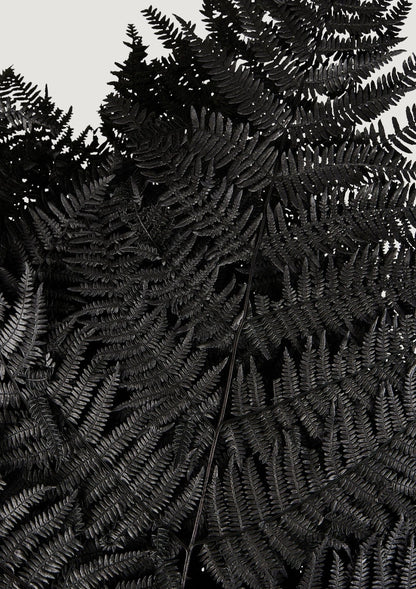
208 329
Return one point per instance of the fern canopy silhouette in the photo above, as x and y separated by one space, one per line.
207 320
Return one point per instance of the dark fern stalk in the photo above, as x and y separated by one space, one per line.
239 328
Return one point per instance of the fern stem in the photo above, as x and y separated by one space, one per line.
233 356
224 404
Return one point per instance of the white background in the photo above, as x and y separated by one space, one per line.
73 46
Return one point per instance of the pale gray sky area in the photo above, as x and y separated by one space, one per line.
72 46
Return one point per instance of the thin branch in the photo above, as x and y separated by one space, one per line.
227 390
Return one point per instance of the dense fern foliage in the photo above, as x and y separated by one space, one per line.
208 321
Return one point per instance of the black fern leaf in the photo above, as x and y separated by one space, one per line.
38 156
207 322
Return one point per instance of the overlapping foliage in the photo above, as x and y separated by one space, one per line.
207 344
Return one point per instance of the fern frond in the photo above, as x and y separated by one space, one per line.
239 87
18 506
164 28
21 329
402 138
112 567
